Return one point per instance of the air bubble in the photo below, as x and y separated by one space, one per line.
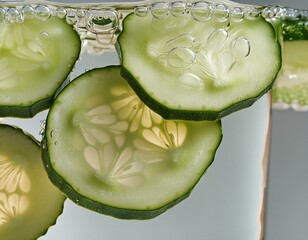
13 15
178 9
28 12
42 12
240 47
71 17
221 12
61 12
252 13
141 11
160 10
201 11
292 14
272 12
102 21
236 14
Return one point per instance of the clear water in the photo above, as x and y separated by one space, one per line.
228 202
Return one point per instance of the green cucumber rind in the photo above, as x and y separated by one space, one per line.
189 115
29 111
293 30
121 213
196 115
36 142
26 111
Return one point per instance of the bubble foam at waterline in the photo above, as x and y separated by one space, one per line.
99 24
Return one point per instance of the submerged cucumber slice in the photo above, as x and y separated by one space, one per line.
183 68
110 153
291 87
35 59
29 203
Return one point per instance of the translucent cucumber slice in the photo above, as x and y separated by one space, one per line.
291 87
35 59
193 68
109 152
29 202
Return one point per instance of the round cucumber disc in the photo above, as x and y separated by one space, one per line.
109 152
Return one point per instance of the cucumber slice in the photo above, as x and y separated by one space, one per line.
29 202
183 68
110 153
36 58
291 87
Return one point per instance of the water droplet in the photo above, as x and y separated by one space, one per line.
43 12
102 21
141 11
160 10
236 14
252 13
201 11
28 12
240 47
61 12
56 143
217 38
181 57
191 80
221 12
178 9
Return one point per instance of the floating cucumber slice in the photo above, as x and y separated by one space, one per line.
110 153
35 59
185 68
291 88
29 202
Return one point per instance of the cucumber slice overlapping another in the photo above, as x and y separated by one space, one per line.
110 153
29 202
35 59
198 67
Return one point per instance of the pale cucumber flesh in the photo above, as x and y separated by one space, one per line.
36 58
122 159
29 202
187 69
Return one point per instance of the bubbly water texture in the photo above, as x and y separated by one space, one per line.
100 24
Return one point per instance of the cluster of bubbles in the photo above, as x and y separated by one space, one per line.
204 11
104 23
